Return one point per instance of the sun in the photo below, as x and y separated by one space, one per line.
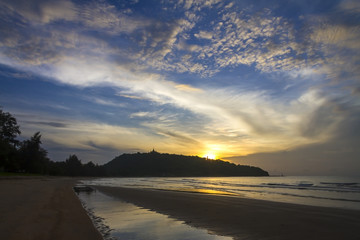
210 156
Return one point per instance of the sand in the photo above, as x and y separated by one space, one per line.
47 208
243 218
42 208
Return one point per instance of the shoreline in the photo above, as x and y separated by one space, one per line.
42 208
244 218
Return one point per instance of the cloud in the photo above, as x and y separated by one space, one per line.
184 140
251 119
350 5
188 47
121 94
340 49
337 154
333 158
43 11
79 133
230 5
197 4
90 139
107 18
158 41
107 102
233 38
51 124
321 121
326 44
204 35
143 115
187 88
94 15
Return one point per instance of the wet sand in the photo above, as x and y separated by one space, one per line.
43 208
243 218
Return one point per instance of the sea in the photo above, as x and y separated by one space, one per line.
116 219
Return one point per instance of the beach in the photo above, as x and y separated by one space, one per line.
43 208
47 208
243 218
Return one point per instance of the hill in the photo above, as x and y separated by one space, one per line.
156 164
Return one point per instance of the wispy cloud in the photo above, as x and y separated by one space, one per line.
42 11
337 155
107 102
143 115
187 88
350 5
51 124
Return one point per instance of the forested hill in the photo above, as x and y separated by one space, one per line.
155 164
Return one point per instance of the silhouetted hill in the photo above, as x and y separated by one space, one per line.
155 164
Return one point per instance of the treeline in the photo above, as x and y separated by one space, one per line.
29 157
73 167
156 164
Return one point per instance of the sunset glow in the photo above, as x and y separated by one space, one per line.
211 156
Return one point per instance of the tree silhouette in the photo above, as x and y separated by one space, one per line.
33 156
9 130
73 166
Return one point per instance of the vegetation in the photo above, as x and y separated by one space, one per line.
28 157
9 130
155 164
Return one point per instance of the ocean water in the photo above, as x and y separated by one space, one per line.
327 191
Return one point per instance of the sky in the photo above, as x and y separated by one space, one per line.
274 84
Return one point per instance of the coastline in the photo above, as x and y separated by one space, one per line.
243 218
42 208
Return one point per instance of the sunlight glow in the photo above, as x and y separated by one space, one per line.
210 156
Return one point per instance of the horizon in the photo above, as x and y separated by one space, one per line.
263 83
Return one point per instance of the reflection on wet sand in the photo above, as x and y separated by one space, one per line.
206 191
116 219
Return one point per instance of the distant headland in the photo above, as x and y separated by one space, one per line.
155 164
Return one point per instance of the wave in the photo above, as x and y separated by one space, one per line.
322 191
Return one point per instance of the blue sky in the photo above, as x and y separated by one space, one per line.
246 81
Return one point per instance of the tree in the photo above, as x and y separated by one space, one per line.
33 156
9 130
73 166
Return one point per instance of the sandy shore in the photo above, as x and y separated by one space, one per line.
247 219
42 209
